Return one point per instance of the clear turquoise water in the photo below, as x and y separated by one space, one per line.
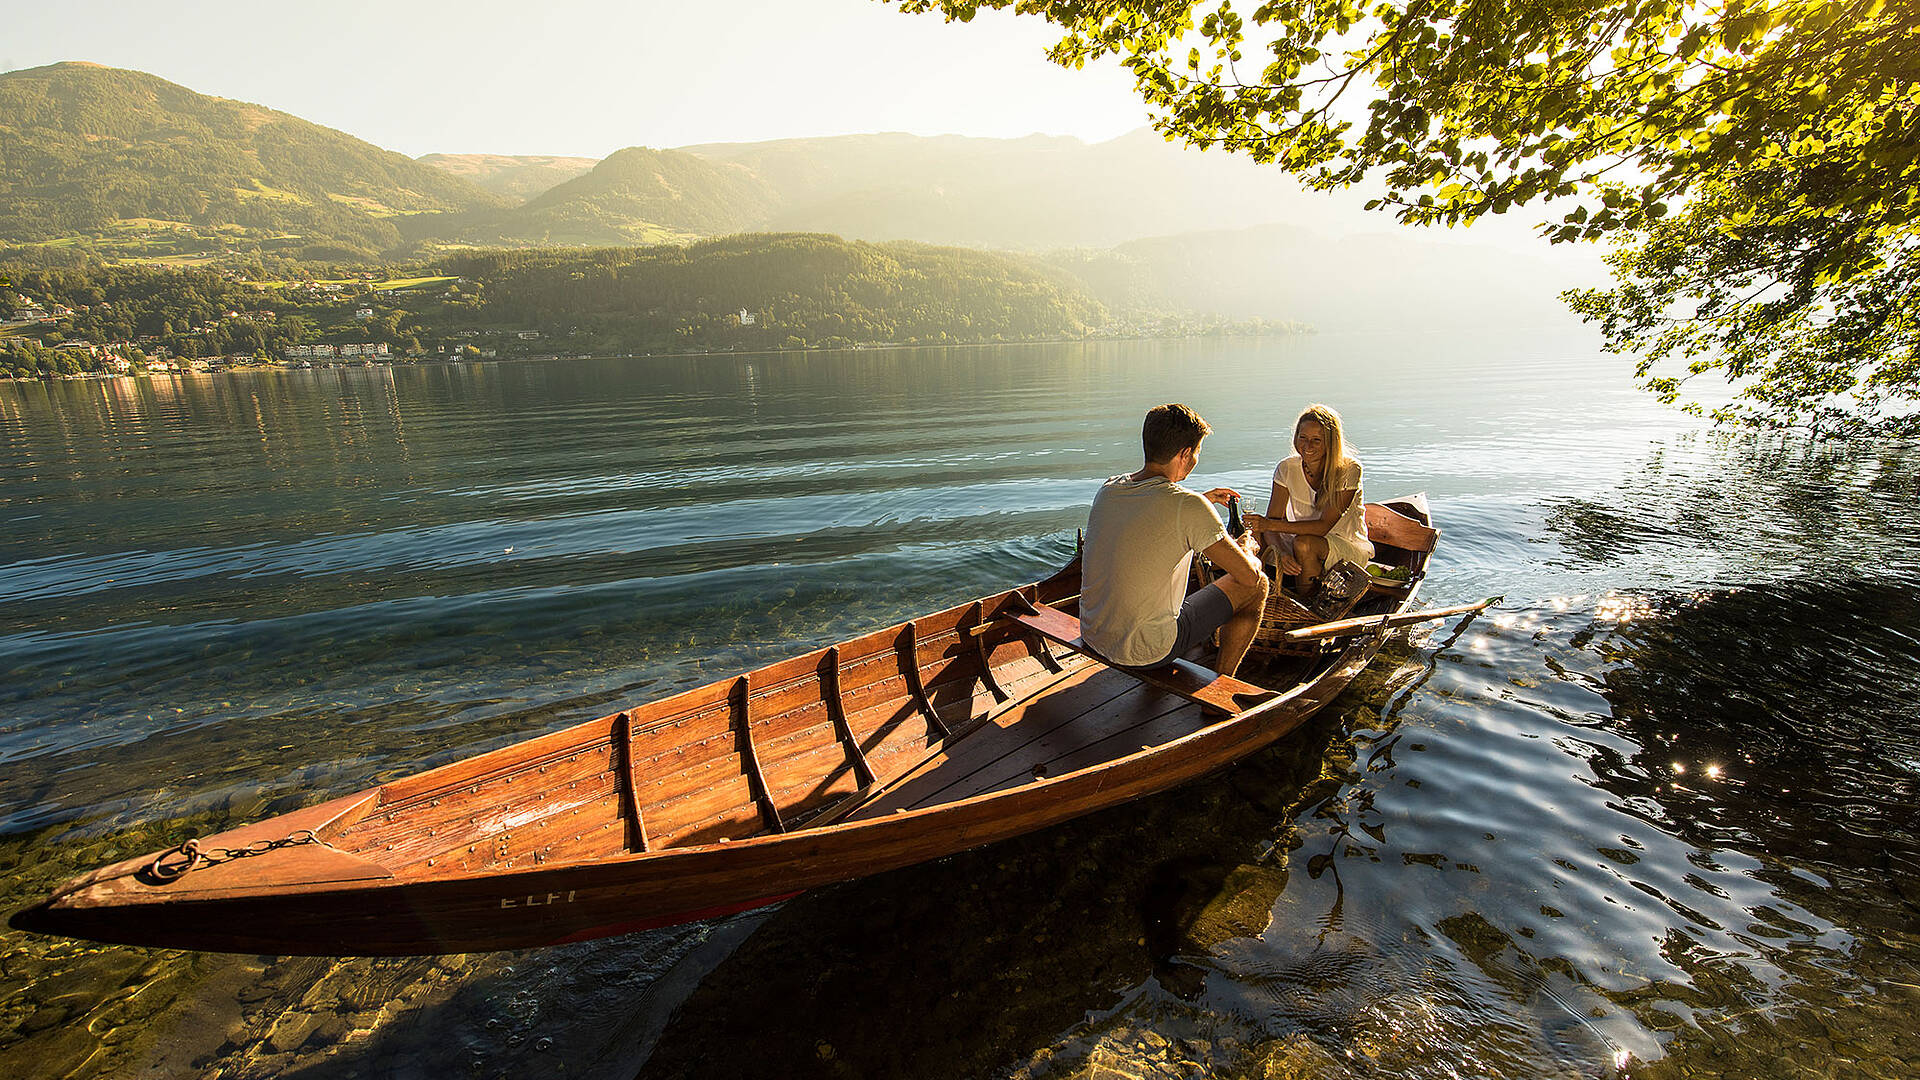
1662 805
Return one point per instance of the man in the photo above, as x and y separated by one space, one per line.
1141 536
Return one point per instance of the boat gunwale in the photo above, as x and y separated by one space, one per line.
979 819
1346 665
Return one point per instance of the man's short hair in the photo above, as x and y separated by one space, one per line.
1170 429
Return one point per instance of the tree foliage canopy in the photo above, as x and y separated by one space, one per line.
1758 161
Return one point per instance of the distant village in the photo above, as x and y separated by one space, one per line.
148 354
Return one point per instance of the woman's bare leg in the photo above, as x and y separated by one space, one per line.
1311 553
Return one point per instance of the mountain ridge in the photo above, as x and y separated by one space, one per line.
127 165
513 176
124 156
637 195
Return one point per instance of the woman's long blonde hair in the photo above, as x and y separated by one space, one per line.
1335 461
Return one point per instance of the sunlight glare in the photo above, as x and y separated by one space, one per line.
1622 608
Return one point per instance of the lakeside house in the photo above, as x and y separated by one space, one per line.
374 349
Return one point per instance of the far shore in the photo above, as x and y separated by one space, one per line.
542 357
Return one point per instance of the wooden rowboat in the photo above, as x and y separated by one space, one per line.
972 725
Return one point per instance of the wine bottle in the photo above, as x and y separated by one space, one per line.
1235 527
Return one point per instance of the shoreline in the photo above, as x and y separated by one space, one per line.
547 357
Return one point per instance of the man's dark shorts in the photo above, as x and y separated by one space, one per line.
1201 614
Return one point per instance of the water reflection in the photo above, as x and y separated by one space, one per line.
1785 752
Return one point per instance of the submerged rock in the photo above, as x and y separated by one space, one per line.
1297 1057
1242 908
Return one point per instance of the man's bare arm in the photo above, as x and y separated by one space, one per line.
1242 570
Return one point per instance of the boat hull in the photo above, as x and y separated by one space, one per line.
536 907
309 897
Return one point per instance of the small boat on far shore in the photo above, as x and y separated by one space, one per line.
967 726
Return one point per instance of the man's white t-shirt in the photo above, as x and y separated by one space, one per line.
1141 536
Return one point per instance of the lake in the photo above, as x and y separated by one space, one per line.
1656 815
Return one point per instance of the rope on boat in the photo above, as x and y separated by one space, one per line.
175 863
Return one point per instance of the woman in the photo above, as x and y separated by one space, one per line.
1316 516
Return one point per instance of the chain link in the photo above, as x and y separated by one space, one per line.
190 856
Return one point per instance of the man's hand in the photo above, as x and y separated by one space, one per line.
1221 495
1233 557
1244 584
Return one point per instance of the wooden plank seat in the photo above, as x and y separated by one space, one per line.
1221 693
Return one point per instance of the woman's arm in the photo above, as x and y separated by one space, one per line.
1319 526
1262 527
1277 502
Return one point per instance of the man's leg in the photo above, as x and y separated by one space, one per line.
1237 632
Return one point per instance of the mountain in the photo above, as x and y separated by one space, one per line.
1032 194
1335 281
634 196
126 164
517 178
132 164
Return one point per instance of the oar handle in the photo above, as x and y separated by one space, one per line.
1369 623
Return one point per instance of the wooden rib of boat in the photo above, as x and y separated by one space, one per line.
944 733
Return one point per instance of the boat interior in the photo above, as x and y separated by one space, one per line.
965 702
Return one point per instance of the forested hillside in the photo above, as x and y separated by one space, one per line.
131 164
798 290
755 292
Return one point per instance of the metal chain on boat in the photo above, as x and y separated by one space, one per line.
190 856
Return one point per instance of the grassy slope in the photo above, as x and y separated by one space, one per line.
126 159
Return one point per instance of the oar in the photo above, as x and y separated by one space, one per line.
1368 623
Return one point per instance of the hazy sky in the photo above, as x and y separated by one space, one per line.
587 78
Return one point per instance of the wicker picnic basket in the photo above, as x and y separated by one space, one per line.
1341 587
